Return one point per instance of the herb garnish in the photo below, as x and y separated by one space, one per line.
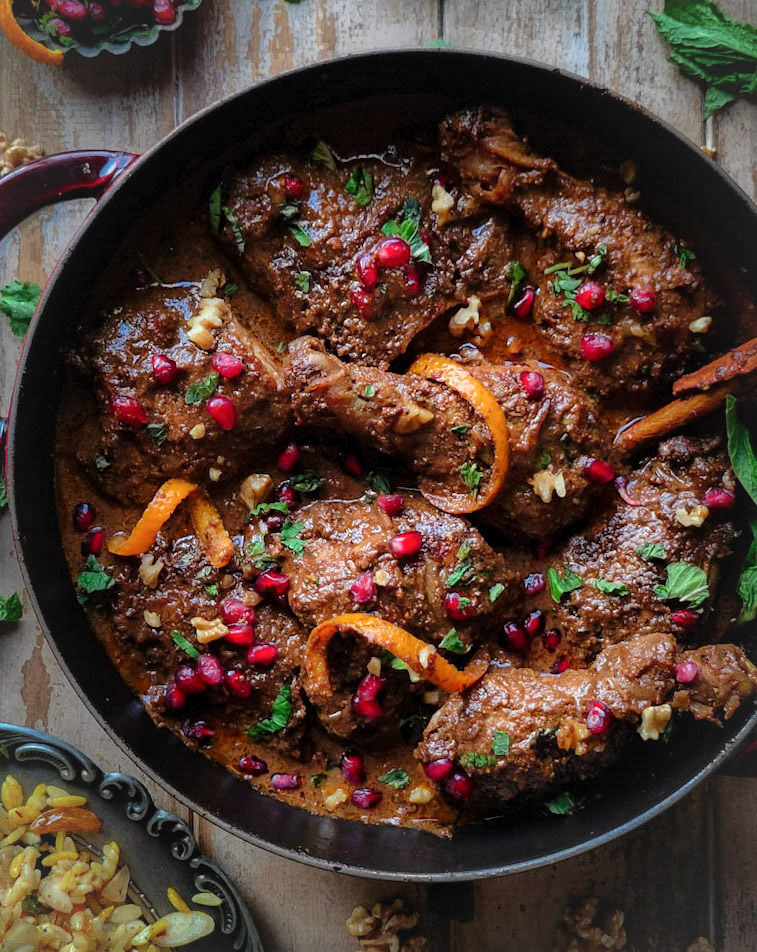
290 212
562 804
360 185
607 587
18 301
543 461
217 211
306 482
3 493
280 714
711 47
93 578
651 551
380 480
317 778
230 289
211 589
262 560
265 507
406 226
477 761
685 583
302 281
101 462
501 744
515 273
460 429
495 591
472 477
202 389
685 255
186 646
451 642
290 537
236 231
321 154
158 431
744 464
560 585
11 608
368 391
461 573
567 283
397 778
32 904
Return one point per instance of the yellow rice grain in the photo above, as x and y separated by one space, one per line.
176 901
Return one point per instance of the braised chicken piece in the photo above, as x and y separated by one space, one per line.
628 314
558 449
195 642
323 246
651 563
182 388
520 733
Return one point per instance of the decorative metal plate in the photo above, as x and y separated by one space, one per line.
159 848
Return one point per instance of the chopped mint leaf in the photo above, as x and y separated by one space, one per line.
280 714
477 761
685 583
93 578
562 804
495 591
397 778
561 585
202 389
501 744
11 608
290 537
360 186
18 301
302 281
186 646
651 552
607 587
451 642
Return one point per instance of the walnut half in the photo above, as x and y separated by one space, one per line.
382 927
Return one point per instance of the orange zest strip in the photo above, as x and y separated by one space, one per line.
159 510
397 641
738 362
211 533
451 374
673 416
22 41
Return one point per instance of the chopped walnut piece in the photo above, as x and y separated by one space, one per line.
209 285
208 629
412 418
255 489
590 926
466 319
335 799
421 794
382 927
198 431
654 720
572 735
149 570
694 517
442 203
545 483
211 314
14 153
152 619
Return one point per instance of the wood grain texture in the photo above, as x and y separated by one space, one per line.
689 873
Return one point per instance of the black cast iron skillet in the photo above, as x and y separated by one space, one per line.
646 781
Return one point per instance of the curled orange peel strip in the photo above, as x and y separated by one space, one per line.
159 510
211 533
451 374
22 41
422 657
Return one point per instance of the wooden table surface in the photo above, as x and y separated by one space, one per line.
689 873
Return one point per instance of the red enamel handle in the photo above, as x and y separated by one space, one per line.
57 178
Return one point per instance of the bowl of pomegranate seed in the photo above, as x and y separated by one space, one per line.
46 29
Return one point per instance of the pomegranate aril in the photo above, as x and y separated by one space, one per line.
163 12
234 610
534 623
263 655
198 730
175 698
210 670
534 584
275 521
370 687
596 346
598 471
370 709
59 27
93 541
406 544
227 365
533 383
164 370
717 497
128 410
459 607
272 583
354 465
286 781
562 664
390 503
294 187
285 493
598 717
684 618
365 798
643 300
393 253
362 301
590 295
523 307
253 766
352 766
516 638
223 412
363 589
412 281
459 786
237 684
72 10
84 516
97 11
438 770
367 271
241 633
552 639
686 672
289 458
188 680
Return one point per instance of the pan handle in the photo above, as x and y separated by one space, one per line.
57 178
